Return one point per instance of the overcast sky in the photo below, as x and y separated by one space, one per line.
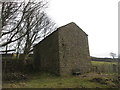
98 18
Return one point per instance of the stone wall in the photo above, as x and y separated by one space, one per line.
64 51
46 54
73 50
10 66
13 65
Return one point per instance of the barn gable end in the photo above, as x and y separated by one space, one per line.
64 51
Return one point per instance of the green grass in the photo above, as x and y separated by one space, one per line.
101 63
50 81
46 80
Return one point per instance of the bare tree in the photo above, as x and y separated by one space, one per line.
8 16
36 23
24 25
113 55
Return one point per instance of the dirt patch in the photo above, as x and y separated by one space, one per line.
14 77
111 82
99 80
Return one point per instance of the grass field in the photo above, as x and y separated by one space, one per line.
88 80
51 81
101 63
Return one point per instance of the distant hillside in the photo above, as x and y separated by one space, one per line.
104 59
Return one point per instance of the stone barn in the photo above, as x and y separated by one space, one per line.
63 52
